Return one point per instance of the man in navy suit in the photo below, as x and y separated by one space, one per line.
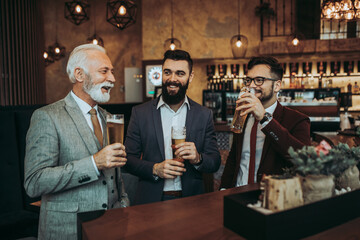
148 140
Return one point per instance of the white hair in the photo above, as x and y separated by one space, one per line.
78 58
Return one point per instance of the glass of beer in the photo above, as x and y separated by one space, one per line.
238 122
115 128
178 135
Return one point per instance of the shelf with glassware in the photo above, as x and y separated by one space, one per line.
311 74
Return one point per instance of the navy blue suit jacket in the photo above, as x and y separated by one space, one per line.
145 147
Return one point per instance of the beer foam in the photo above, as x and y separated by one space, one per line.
178 136
118 121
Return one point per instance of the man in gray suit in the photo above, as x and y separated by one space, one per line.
65 160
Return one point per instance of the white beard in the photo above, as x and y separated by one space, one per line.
94 90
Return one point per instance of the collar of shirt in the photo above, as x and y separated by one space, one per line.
84 106
272 108
162 103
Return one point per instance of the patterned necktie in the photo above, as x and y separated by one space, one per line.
252 152
96 125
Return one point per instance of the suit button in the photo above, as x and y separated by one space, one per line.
112 177
104 182
112 191
104 205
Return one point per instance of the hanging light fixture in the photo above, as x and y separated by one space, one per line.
121 13
347 10
95 39
172 43
239 42
77 11
48 57
56 51
295 41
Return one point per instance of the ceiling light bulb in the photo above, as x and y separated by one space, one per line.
357 4
122 10
328 11
45 55
57 50
78 8
95 41
172 46
238 43
295 41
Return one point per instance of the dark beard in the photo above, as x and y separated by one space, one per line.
171 99
265 98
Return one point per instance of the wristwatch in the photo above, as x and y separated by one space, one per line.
267 117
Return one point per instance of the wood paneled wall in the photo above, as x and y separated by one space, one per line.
21 47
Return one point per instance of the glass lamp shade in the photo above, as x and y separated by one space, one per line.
121 13
295 43
57 51
357 4
172 44
48 57
345 5
96 39
239 45
77 11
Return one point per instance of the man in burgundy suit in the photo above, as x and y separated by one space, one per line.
270 128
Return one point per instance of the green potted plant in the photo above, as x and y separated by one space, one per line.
342 165
310 163
325 167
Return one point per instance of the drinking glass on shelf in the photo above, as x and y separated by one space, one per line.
178 135
115 128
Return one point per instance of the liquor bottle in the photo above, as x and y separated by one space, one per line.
356 88
349 87
320 82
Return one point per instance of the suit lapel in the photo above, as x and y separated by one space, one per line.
158 127
189 117
80 122
278 116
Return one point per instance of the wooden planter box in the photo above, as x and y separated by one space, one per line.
293 223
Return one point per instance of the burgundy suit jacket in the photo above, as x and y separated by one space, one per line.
287 128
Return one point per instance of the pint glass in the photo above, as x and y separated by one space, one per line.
238 122
178 135
115 128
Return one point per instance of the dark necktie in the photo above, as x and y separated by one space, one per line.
252 152
96 125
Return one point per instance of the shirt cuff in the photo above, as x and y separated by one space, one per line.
197 166
96 169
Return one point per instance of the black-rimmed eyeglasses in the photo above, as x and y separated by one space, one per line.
257 80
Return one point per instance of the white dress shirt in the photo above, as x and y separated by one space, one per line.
170 118
85 108
242 178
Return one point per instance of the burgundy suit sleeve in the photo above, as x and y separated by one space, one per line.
294 131
230 166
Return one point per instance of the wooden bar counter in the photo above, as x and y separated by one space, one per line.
197 217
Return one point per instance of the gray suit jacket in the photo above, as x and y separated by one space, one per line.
58 167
